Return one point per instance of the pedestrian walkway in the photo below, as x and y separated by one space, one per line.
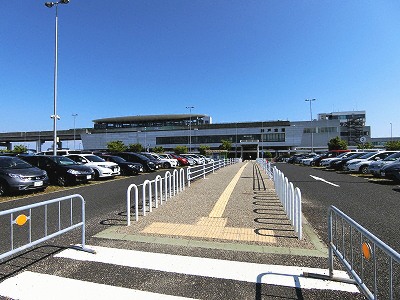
225 237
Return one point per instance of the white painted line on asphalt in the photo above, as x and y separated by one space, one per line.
323 180
289 276
30 285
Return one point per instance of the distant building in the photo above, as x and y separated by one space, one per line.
247 138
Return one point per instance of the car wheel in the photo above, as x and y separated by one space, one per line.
166 165
364 169
3 188
96 175
61 180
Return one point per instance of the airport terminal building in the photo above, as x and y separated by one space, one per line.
247 138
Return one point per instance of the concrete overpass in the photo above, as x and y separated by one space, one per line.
40 137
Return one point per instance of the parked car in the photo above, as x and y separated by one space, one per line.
126 167
197 159
391 171
308 158
18 175
327 161
360 165
148 165
101 168
329 154
294 158
183 161
338 165
167 160
375 167
158 163
61 170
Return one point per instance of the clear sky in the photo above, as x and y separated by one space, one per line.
235 60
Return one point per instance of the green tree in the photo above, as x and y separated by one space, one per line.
203 149
20 149
159 149
267 154
393 145
135 147
337 144
367 145
116 146
180 150
225 145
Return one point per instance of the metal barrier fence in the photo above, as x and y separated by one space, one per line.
33 234
163 188
290 198
200 171
370 262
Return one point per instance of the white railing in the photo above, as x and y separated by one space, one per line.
61 219
200 171
267 167
290 198
163 189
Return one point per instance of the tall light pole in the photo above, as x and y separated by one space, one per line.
312 130
391 131
54 116
74 115
190 127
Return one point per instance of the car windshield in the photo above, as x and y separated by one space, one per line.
62 160
116 159
392 157
344 154
13 163
368 155
94 158
142 157
355 155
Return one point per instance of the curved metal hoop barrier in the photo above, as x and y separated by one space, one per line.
164 188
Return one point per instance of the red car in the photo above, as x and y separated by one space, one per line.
182 161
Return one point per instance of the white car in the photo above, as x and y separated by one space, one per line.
167 160
360 165
327 161
197 159
102 168
307 161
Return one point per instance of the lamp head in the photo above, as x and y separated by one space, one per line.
64 1
49 4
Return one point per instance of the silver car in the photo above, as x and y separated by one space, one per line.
18 175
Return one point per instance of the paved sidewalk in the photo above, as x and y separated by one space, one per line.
223 211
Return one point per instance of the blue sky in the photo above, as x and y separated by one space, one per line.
247 60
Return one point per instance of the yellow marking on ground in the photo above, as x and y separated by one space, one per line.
214 226
208 228
220 206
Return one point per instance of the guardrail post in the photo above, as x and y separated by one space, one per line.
128 203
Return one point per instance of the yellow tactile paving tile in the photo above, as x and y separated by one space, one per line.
222 233
214 226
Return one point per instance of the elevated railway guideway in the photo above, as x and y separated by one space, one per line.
40 137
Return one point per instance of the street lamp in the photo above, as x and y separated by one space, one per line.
190 127
391 132
312 130
74 115
54 116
